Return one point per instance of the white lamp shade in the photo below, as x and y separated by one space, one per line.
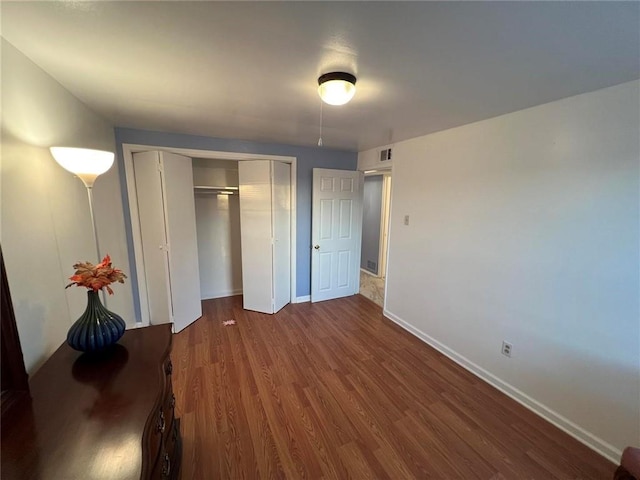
85 163
336 92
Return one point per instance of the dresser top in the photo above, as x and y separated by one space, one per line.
87 415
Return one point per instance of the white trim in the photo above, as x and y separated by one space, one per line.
370 172
359 241
387 253
197 153
294 228
226 293
303 299
364 270
136 235
385 216
597 444
128 149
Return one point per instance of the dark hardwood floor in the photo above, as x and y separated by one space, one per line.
335 390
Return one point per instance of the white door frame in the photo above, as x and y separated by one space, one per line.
128 149
384 224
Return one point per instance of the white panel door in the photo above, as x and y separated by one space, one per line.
336 232
152 229
281 212
256 235
180 217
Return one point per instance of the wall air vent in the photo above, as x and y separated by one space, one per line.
385 155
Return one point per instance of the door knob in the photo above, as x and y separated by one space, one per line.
317 247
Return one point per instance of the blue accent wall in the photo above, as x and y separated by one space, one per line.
308 158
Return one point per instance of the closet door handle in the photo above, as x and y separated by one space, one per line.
317 247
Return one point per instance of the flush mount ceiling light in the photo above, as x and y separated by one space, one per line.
336 88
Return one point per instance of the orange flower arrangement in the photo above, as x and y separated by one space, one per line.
96 277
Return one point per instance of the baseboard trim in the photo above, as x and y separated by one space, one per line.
304 298
228 293
597 444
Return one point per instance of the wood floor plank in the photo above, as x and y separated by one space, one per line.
476 440
269 464
330 411
358 466
323 438
474 465
334 390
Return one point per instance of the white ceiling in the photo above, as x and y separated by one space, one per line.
249 69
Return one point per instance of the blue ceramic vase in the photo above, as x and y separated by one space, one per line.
97 328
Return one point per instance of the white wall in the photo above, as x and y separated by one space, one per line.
370 159
218 229
525 227
46 226
215 173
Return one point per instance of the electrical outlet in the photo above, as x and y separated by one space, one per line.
406 219
507 348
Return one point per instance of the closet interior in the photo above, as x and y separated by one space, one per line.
217 205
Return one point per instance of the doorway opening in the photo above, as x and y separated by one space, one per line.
375 228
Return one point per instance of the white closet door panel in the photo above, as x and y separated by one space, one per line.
153 234
336 231
180 213
256 235
281 208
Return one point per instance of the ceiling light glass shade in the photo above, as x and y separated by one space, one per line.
336 88
85 163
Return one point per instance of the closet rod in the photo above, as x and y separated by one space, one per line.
207 187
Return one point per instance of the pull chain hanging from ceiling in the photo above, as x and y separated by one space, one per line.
320 139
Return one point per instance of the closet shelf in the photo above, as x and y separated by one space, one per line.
215 190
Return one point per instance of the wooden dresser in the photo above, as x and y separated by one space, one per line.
109 417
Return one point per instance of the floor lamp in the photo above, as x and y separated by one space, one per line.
88 165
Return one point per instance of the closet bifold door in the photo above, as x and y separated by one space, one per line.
149 192
184 269
281 215
166 210
265 226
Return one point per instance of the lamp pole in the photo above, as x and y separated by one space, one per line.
95 234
